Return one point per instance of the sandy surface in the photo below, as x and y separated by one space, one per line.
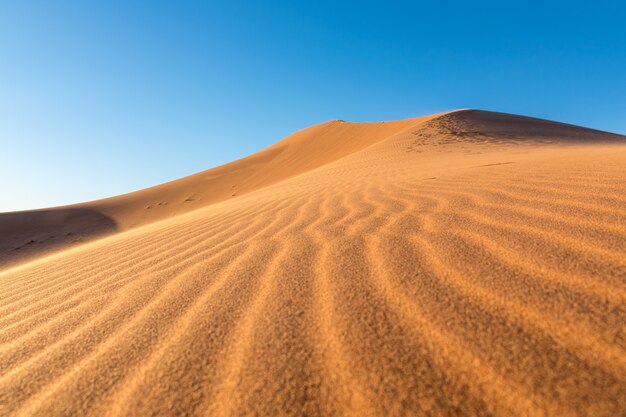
466 264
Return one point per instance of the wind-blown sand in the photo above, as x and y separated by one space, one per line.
464 264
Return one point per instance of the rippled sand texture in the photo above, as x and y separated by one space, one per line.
469 264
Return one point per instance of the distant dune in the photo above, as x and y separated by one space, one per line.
469 263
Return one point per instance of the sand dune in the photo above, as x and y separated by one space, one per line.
31 233
463 264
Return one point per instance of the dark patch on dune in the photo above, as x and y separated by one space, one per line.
25 235
495 164
495 129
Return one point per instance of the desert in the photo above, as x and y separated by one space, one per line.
467 263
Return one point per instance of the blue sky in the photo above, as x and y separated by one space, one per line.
99 98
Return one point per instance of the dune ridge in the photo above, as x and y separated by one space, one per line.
470 263
28 234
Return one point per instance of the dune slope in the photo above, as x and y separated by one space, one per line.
32 233
467 264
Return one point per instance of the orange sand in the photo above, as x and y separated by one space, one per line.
463 264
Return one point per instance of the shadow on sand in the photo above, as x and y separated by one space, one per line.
25 235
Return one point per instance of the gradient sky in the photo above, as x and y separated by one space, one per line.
98 98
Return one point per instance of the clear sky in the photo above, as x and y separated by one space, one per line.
98 98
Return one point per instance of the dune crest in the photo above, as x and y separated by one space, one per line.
464 264
298 153
51 229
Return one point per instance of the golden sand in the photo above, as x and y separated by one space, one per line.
463 264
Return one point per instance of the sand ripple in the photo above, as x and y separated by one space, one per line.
405 277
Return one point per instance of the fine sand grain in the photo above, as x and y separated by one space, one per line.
464 264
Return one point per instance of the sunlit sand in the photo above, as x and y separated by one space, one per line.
463 264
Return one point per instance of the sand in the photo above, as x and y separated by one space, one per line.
464 264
